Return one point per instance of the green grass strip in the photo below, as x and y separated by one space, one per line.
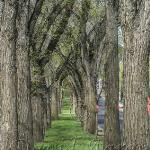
67 134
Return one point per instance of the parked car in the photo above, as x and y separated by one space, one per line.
101 113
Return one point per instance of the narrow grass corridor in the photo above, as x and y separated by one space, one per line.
67 134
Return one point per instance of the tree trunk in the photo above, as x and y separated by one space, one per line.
54 102
90 111
9 125
40 103
1 11
45 112
112 138
38 121
16 82
25 127
79 110
48 108
74 99
136 74
59 99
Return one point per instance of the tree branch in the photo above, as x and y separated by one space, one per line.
34 16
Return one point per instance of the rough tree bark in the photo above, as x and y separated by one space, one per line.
40 103
77 84
25 128
38 120
45 112
9 125
54 101
44 92
90 106
90 101
112 138
59 98
136 23
1 13
48 108
16 105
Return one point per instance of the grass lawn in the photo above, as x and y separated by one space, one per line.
67 134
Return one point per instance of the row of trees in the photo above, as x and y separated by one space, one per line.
44 42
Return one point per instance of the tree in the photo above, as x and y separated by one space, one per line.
135 24
38 117
24 109
9 127
1 10
54 100
91 52
16 125
112 137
